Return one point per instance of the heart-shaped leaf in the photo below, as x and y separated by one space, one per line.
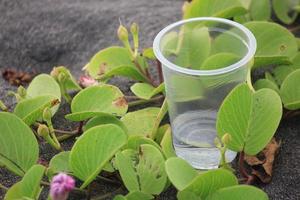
284 10
104 119
59 163
29 186
142 170
239 192
30 110
205 8
146 91
209 182
94 149
184 178
220 60
141 122
18 146
251 118
265 83
289 91
96 100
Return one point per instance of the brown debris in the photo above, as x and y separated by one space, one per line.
262 164
102 69
15 77
120 102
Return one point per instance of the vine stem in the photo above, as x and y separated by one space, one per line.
3 187
143 101
159 71
73 132
295 28
249 81
108 180
162 112
108 194
241 165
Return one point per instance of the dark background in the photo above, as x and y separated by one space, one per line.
36 35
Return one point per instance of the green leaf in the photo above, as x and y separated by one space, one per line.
70 81
30 110
148 53
239 192
135 141
290 93
167 145
146 91
186 195
29 186
184 178
104 119
209 182
296 61
169 43
160 132
142 170
214 8
141 122
269 77
283 10
94 149
96 100
251 118
265 32
281 72
219 60
18 146
265 83
136 195
260 10
59 163
261 61
113 61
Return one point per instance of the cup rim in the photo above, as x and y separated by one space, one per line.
250 54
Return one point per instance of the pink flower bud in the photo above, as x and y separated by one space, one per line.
86 81
61 185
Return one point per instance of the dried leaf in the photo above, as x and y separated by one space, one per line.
16 78
253 160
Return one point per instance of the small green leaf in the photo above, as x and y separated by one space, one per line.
135 141
284 10
167 145
239 192
265 83
290 93
59 163
219 60
262 61
30 110
214 8
148 53
18 146
269 77
141 122
142 170
251 118
29 186
146 91
96 100
281 72
137 195
104 119
209 182
180 172
296 61
160 132
187 195
260 10
94 149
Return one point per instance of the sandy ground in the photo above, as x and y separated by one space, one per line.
36 35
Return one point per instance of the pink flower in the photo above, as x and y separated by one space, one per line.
86 81
61 185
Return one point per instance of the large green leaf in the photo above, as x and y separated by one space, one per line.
96 100
29 186
142 170
284 10
59 163
141 122
214 8
260 10
18 146
179 172
290 93
145 90
239 192
104 119
30 110
251 118
209 182
94 149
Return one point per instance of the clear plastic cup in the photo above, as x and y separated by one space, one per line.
203 59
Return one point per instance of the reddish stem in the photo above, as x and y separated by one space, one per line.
79 130
159 70
242 166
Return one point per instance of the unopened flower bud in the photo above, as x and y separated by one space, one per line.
134 28
226 138
86 81
22 91
122 33
55 72
3 106
43 130
217 143
47 114
60 186
61 77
